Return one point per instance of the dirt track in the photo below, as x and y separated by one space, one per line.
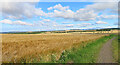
106 55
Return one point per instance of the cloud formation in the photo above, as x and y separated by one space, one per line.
23 10
6 21
79 15
101 22
102 6
84 24
90 12
108 16
46 20
16 10
59 7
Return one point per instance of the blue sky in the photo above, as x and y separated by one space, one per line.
45 16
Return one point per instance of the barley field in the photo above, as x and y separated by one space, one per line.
40 47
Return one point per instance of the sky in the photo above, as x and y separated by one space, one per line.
47 16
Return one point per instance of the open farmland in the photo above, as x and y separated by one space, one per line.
28 47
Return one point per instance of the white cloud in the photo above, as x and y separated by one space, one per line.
16 10
66 22
101 22
21 23
68 14
45 23
50 8
47 20
108 16
69 25
79 15
102 6
6 21
28 10
84 15
39 12
59 7
90 12
63 26
84 24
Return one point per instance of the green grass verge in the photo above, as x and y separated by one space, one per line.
118 49
86 54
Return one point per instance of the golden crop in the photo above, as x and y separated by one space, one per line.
26 46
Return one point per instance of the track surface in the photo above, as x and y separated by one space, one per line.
106 55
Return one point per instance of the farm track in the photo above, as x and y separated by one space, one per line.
106 55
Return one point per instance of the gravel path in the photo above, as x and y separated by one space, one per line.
106 55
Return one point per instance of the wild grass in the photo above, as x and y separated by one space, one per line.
118 49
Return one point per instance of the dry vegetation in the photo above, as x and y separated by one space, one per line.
17 47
